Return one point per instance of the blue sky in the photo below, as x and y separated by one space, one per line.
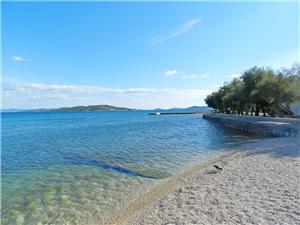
140 55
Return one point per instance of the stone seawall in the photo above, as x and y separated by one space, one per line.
265 126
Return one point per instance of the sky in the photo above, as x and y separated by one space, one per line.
140 55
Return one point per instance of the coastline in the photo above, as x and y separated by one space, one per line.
204 190
159 189
259 125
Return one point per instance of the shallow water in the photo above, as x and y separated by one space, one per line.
77 168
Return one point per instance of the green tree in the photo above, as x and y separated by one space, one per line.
259 90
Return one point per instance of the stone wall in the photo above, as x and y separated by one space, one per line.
265 126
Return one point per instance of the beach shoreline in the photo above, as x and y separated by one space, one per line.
203 195
158 189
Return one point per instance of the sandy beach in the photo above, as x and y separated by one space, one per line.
259 184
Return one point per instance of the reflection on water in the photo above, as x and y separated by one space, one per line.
76 168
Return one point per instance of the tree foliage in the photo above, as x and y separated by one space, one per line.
259 90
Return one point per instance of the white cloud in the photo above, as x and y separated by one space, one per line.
6 94
30 87
50 97
194 76
178 31
41 95
204 76
20 58
171 73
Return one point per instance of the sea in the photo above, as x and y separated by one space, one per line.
82 167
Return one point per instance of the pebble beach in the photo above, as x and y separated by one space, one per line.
259 184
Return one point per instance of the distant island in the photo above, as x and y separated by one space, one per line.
95 108
90 108
193 109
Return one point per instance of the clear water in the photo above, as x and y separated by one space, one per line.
77 168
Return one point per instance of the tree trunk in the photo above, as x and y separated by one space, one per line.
256 109
263 110
252 110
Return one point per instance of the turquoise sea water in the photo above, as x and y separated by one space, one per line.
78 168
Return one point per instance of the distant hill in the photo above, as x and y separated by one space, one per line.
90 108
94 108
193 109
12 110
